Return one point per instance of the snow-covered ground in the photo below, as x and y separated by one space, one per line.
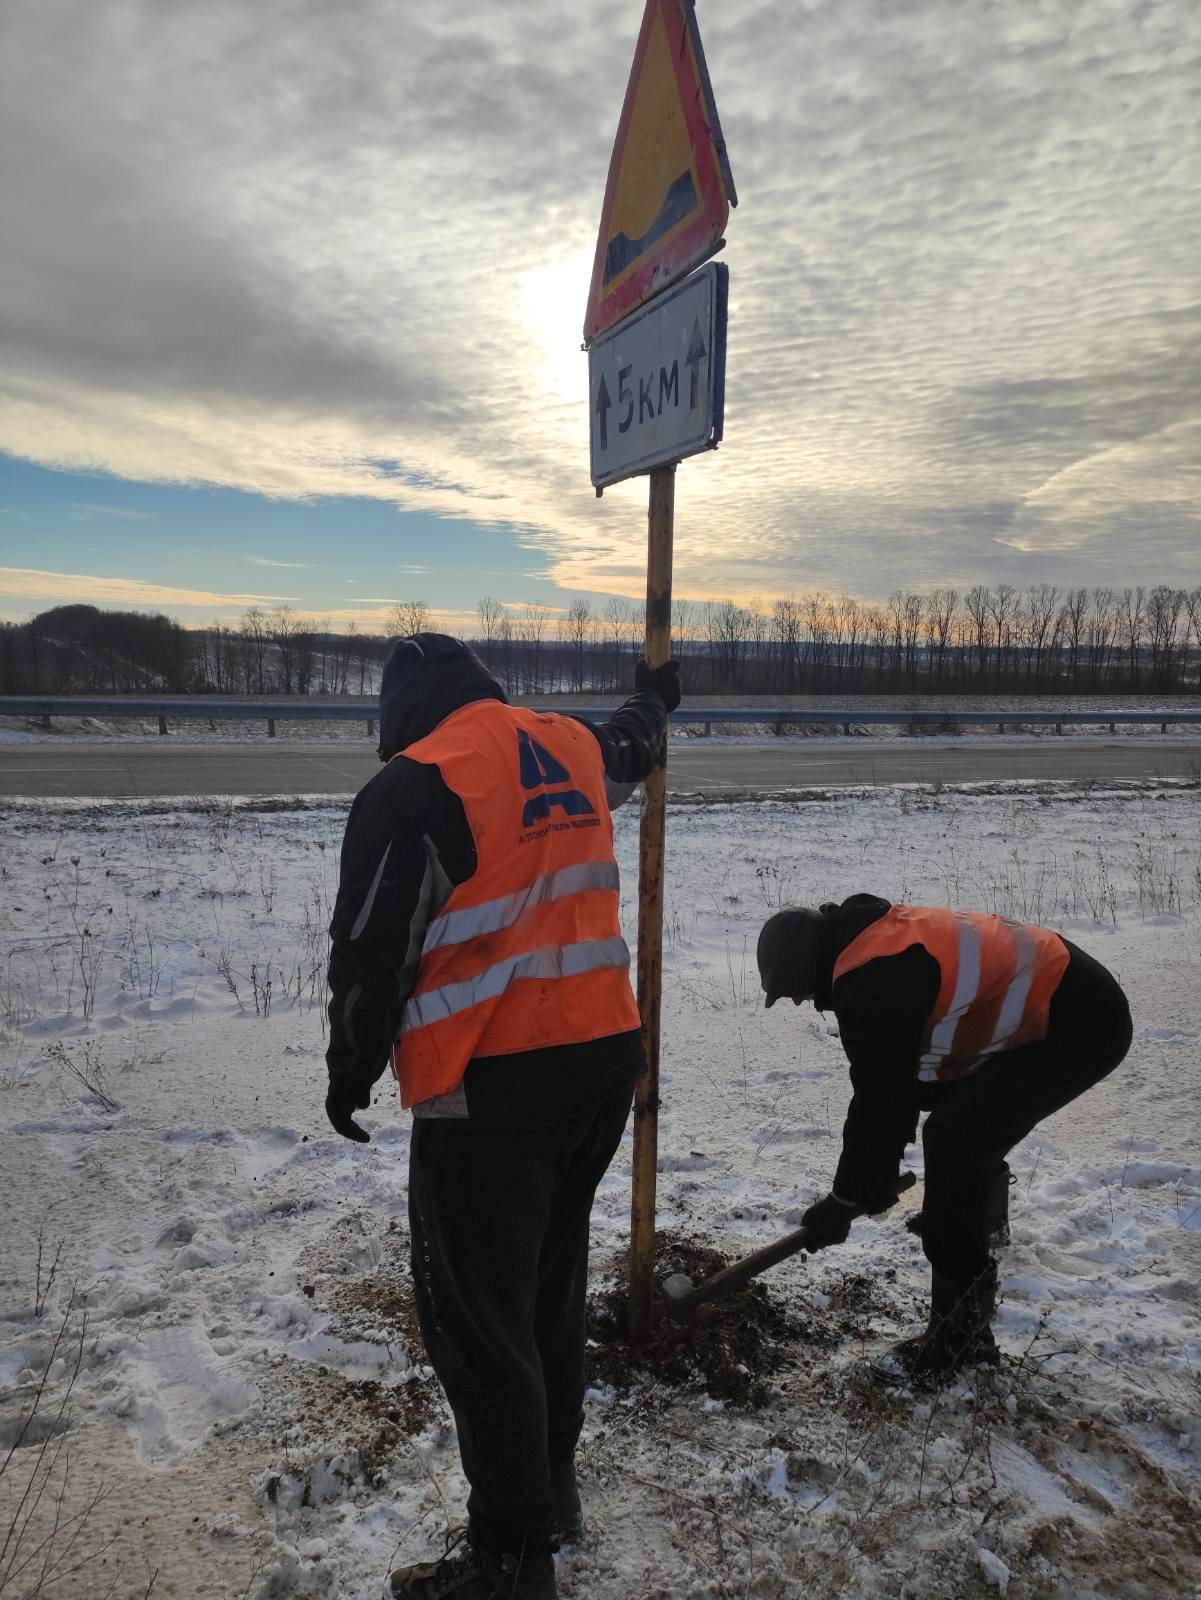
243 1386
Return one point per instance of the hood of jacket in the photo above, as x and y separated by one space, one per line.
841 926
426 678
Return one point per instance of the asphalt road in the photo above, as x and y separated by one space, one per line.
98 770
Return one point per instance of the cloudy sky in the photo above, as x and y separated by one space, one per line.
291 295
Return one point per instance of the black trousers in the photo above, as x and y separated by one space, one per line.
973 1124
499 1220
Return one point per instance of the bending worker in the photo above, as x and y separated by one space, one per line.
477 930
986 1024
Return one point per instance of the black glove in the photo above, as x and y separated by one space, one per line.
828 1222
663 681
341 1101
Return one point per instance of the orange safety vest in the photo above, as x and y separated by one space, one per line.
997 979
528 953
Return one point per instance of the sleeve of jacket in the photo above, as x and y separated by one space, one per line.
629 741
881 1009
379 922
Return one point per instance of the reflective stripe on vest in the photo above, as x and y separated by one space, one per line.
567 962
996 981
453 927
527 953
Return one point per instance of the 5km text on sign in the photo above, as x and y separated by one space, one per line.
656 382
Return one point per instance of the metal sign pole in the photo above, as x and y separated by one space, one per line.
661 518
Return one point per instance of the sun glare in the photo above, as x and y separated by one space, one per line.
553 298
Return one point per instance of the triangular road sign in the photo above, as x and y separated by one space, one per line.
670 190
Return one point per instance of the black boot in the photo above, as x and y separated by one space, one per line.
467 1572
568 1524
958 1335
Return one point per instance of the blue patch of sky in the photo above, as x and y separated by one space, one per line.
337 551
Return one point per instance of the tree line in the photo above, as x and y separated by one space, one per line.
983 640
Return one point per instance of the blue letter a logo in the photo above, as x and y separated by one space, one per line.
539 768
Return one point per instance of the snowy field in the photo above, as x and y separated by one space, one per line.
205 1319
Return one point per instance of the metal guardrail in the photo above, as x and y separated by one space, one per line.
45 707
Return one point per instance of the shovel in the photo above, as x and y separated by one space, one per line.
683 1296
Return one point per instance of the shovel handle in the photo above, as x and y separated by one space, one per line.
733 1277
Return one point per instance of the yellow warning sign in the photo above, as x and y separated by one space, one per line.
669 190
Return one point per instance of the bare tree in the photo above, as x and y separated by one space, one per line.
1165 607
1099 635
896 633
978 604
815 640
256 631
728 626
941 607
348 643
758 631
912 607
1193 608
579 629
532 630
1074 614
834 629
504 637
616 618
364 654
285 629
407 617
490 612
786 632
304 657
1132 614
219 657
1003 609
878 628
1039 605
683 621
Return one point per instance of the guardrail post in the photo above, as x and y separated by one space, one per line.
371 727
1163 727
271 727
1059 727
46 720
708 730
1113 727
846 730
162 724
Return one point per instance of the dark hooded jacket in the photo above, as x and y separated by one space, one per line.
882 1009
407 845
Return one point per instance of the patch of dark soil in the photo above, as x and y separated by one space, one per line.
391 1414
380 1298
370 1304
371 1417
732 1347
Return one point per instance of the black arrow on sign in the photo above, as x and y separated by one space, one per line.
696 354
602 410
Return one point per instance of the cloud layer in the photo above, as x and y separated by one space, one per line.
64 588
313 247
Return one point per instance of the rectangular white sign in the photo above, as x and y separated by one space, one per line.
656 382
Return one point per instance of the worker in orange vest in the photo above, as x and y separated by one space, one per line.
986 1024
477 945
